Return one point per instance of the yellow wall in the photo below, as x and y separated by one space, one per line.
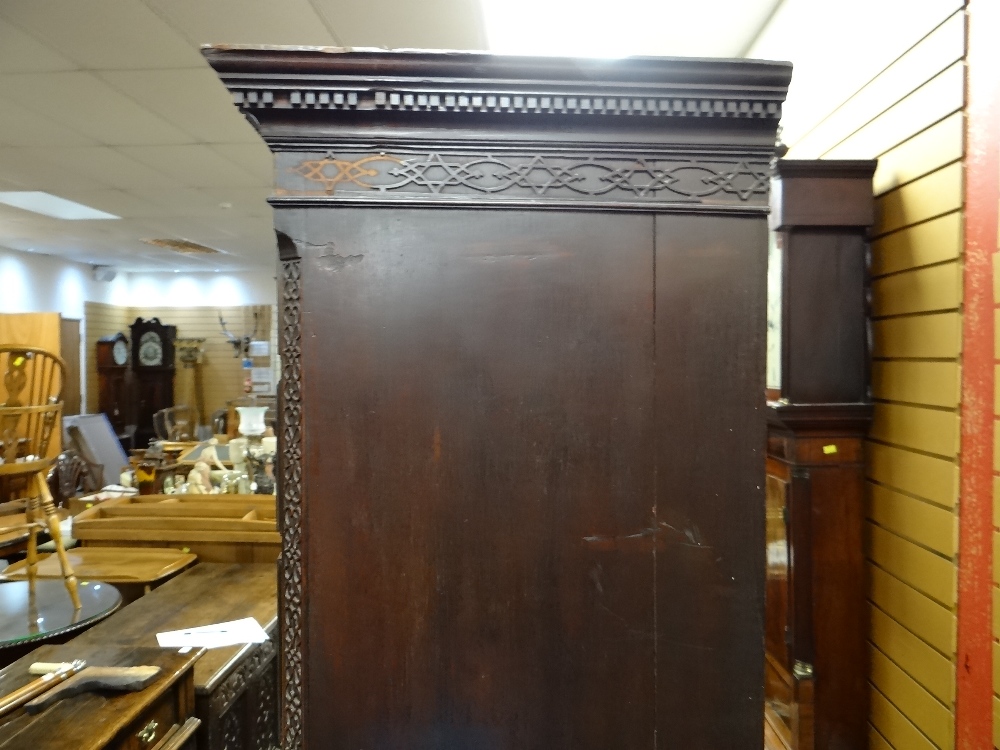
996 491
222 372
910 116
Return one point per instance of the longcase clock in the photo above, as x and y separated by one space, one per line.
819 408
153 367
112 372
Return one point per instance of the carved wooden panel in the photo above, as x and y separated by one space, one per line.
241 712
263 709
641 177
290 495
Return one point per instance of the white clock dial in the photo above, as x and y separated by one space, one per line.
119 352
150 350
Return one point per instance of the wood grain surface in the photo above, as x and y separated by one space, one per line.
205 594
99 720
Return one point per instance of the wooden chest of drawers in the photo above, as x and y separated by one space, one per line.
236 686
160 717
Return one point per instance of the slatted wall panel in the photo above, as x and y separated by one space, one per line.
222 373
996 494
910 116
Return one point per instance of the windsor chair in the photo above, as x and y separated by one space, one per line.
30 409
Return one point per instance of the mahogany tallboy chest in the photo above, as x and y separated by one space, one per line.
522 432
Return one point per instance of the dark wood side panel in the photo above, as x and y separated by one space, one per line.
479 452
826 341
710 286
839 605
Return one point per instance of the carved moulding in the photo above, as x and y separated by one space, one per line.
659 179
226 694
485 85
486 102
290 494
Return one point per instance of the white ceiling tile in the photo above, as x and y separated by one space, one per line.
429 24
10 216
30 171
242 202
255 158
82 101
103 34
173 202
22 127
245 21
117 202
105 165
231 240
193 228
195 165
22 53
194 100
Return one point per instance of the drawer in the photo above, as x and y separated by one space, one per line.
180 736
146 731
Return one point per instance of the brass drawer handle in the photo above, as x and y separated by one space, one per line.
148 732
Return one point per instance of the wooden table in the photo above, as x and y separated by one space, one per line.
106 720
133 570
28 621
235 687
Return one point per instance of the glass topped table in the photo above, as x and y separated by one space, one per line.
48 615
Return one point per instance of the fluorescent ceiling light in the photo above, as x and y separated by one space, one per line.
619 28
52 205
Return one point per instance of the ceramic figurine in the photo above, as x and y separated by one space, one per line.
210 455
199 480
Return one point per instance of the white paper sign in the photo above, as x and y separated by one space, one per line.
247 630
262 379
259 348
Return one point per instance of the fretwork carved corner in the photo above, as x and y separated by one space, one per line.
290 501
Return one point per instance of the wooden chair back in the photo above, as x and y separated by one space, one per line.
30 401
178 422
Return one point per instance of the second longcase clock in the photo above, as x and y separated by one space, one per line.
112 373
153 365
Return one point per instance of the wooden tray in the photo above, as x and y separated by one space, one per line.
217 528
111 564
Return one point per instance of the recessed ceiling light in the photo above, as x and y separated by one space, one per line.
227 204
52 205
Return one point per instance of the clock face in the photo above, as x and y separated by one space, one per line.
150 349
120 352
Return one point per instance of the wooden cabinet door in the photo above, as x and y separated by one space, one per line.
480 466
532 520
